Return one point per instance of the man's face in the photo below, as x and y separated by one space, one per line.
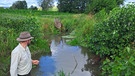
28 43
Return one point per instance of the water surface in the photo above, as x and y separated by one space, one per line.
72 60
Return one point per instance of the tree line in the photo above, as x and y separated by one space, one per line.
73 6
45 4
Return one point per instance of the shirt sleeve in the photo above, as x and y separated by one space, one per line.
15 58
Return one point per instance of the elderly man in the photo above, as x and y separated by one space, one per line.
21 62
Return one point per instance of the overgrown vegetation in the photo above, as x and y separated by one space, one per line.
114 33
10 27
112 38
109 35
39 23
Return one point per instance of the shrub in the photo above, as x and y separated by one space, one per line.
113 34
122 65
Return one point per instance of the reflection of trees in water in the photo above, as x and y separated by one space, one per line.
58 40
85 51
54 39
93 67
56 43
93 62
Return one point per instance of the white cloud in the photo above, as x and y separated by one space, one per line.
128 1
32 2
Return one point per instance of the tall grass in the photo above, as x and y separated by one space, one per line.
10 27
7 43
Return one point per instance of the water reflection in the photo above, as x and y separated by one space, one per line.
73 60
47 66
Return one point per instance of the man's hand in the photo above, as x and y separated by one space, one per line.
35 62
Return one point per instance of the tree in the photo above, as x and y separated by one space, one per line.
19 5
97 5
46 4
72 6
92 6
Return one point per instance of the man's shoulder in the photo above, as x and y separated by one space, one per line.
16 49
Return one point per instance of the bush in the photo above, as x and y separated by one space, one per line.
122 65
113 34
96 6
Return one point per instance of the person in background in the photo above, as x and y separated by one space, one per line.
21 62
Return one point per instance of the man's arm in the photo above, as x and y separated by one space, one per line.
14 64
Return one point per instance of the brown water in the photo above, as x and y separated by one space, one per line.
72 60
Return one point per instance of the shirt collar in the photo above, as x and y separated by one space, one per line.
22 47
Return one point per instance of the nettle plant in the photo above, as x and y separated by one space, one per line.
115 33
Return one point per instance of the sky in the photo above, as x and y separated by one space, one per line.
8 3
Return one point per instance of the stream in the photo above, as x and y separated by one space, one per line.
72 60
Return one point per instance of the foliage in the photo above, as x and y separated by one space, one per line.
48 26
84 29
74 42
35 13
46 4
114 33
86 26
107 35
7 43
72 6
19 24
19 5
39 23
87 6
61 73
97 5
122 65
69 24
10 27
111 36
101 16
7 37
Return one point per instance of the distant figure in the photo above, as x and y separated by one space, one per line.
58 24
